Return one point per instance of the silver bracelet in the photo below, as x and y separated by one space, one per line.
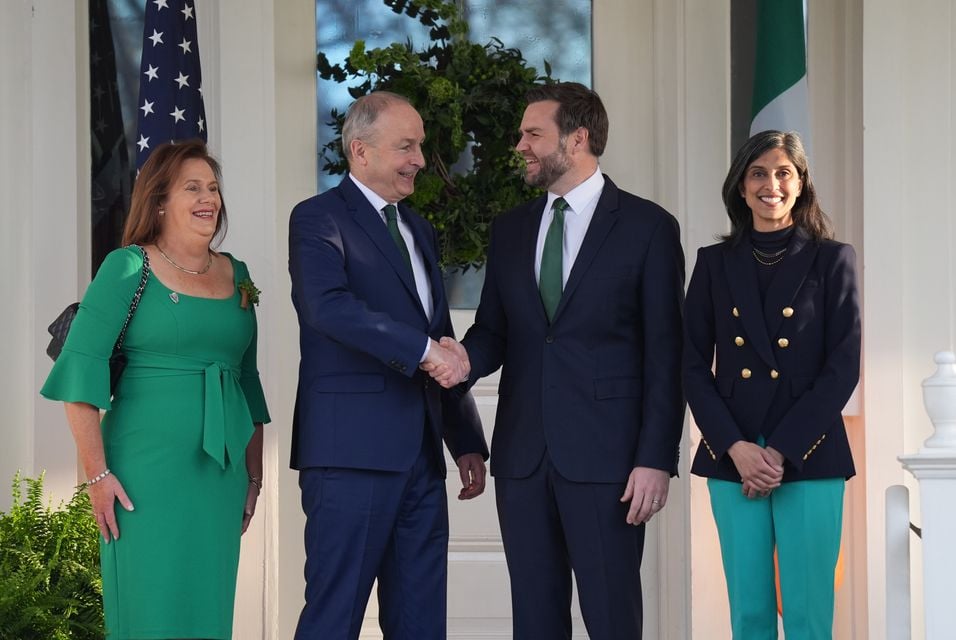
256 481
98 478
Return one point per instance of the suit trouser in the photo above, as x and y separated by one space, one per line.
803 520
362 525
551 526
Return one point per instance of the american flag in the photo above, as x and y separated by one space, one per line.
111 171
170 81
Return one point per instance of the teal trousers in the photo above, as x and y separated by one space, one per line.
803 520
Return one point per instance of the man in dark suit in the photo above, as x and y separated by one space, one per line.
581 307
368 423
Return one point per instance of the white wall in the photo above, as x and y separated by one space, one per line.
16 378
836 111
910 244
295 169
663 70
44 237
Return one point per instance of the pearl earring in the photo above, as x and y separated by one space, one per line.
162 212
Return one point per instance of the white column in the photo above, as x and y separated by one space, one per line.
935 468
16 380
259 80
909 78
663 71
296 167
44 238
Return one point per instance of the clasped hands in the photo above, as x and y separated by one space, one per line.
447 362
761 469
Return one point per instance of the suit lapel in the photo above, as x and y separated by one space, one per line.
605 216
370 221
425 242
788 278
525 255
745 292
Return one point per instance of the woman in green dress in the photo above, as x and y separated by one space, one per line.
180 445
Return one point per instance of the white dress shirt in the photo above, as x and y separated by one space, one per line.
582 201
422 284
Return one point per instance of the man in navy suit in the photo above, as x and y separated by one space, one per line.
368 422
585 319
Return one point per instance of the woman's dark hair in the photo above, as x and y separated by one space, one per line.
807 213
152 186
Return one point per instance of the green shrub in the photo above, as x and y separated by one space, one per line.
50 585
471 100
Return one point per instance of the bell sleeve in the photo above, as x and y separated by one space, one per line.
82 372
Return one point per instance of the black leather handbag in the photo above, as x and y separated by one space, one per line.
60 328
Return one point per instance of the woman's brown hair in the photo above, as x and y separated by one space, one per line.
152 186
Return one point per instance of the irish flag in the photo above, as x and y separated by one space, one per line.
780 97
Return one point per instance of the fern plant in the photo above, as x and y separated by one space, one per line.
50 585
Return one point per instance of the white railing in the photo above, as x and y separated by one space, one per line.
898 607
934 466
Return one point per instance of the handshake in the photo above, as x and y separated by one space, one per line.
447 362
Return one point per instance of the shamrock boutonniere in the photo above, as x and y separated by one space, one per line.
249 293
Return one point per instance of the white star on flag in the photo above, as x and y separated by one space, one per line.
174 64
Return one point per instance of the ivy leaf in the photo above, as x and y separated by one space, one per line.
329 71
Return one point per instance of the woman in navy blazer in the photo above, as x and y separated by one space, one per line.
775 306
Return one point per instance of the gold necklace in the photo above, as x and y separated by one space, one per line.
192 272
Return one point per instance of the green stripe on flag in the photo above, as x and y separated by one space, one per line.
780 52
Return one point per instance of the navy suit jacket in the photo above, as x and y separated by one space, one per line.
362 401
599 387
785 366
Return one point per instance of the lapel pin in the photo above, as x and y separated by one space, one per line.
174 297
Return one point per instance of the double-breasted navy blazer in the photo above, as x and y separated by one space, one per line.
362 401
785 366
599 387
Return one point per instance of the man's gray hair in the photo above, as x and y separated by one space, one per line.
362 114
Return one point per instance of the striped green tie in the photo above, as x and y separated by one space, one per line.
391 221
550 280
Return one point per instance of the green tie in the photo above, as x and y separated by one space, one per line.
550 279
391 221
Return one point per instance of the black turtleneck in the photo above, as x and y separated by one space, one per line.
769 243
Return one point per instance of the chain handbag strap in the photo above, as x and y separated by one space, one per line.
136 298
